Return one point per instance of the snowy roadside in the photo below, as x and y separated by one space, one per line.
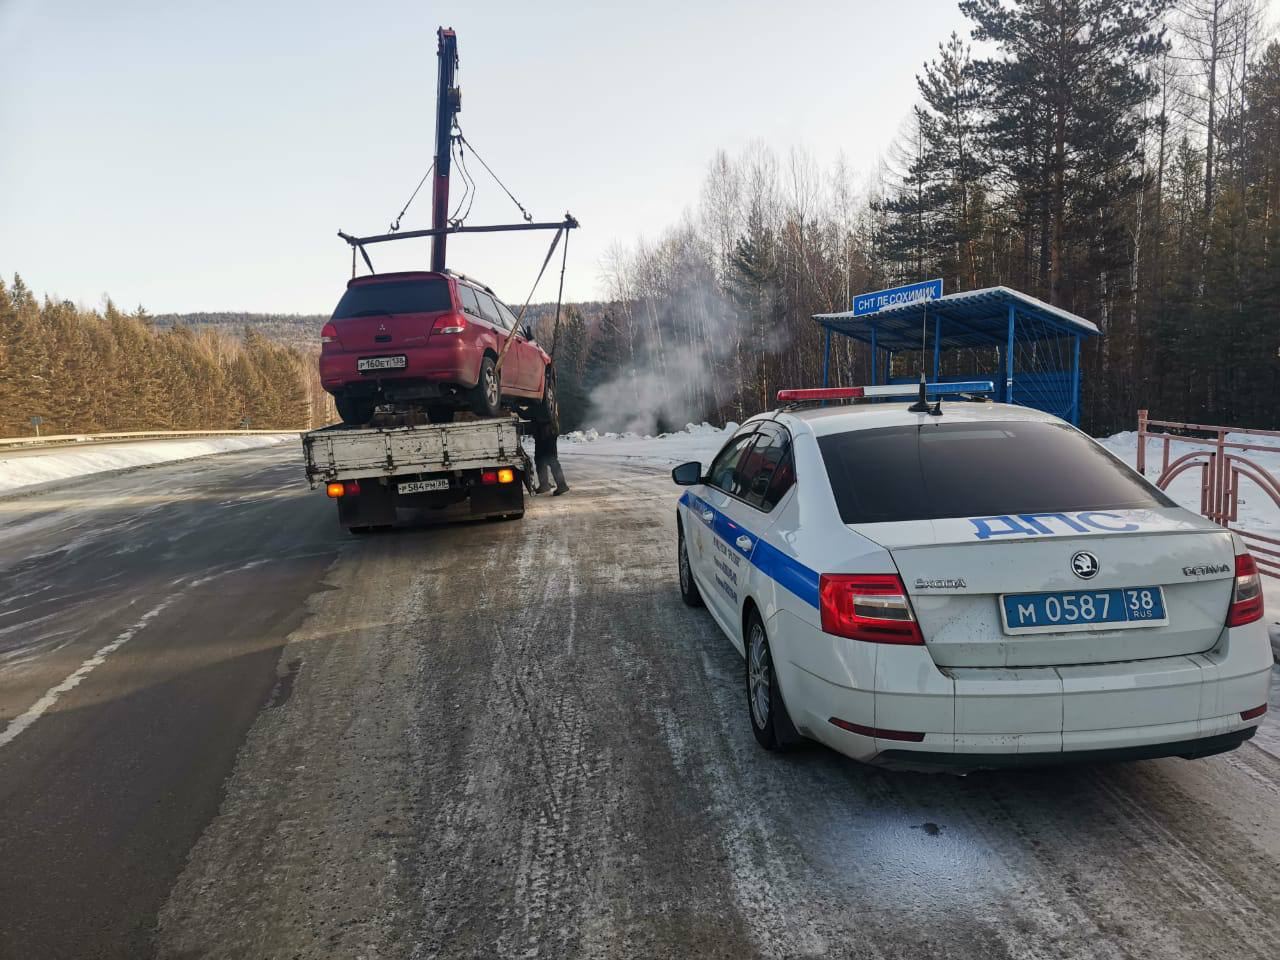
702 441
21 470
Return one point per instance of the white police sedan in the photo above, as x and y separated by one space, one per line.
979 586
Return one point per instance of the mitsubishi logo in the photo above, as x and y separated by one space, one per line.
382 328
1084 565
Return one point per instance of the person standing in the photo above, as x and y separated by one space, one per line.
546 457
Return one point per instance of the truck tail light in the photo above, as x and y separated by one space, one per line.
343 488
488 477
867 606
329 333
449 323
506 475
1246 596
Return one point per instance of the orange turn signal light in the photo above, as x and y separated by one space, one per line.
506 475
335 489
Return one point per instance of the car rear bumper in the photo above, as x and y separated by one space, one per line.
450 361
1146 707
1187 749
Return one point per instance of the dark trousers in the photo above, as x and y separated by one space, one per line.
552 464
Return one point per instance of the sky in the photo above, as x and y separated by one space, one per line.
188 156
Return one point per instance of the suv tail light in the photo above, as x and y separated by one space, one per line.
867 606
329 333
1246 597
449 323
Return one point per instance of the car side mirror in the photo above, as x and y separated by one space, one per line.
687 474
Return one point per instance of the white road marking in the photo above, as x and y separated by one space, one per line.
38 709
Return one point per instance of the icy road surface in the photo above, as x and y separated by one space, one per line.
512 740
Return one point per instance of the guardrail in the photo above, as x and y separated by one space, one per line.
1221 467
70 439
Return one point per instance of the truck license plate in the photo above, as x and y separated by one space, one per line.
366 364
1083 610
423 486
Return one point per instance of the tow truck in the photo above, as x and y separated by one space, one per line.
404 458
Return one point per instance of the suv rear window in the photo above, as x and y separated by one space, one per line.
394 296
936 470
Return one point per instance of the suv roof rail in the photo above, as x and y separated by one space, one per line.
462 276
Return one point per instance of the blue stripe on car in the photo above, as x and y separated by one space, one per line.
782 568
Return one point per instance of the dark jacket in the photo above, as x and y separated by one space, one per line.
544 442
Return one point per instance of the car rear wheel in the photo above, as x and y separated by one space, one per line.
689 592
356 411
486 395
770 721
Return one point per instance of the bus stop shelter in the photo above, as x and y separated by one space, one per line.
1029 349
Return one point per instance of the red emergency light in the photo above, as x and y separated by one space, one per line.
821 393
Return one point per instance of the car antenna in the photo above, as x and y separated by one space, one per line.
922 404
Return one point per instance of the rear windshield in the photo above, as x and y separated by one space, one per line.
937 470
394 296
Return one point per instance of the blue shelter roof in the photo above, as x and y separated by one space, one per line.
975 318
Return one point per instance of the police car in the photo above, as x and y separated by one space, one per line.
967 584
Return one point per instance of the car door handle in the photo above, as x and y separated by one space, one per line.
708 516
744 543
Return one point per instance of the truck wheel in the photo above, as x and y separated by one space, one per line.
547 410
356 411
486 395
440 414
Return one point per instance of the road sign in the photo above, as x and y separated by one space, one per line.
874 302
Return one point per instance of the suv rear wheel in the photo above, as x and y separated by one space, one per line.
486 395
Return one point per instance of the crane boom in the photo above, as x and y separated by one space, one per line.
448 103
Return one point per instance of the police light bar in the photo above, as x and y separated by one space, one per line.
932 389
884 390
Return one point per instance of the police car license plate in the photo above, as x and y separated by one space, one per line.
1083 610
422 486
382 363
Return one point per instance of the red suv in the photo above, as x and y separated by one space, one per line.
430 340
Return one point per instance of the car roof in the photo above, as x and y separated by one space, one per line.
418 275
843 418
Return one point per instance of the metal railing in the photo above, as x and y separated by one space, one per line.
71 439
1221 467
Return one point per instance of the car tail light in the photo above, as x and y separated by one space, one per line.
329 333
1246 598
449 323
1253 714
867 606
488 477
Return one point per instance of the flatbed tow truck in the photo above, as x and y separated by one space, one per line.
399 460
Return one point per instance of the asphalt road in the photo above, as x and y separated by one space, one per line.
512 740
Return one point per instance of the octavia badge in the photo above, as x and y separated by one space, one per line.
1084 565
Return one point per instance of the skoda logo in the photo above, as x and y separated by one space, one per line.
1084 565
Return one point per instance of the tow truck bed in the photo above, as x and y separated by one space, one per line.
372 471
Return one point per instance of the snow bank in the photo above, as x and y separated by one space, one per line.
694 442
60 463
